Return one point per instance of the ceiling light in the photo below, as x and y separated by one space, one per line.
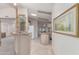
14 4
33 14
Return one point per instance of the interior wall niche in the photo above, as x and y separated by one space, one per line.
22 22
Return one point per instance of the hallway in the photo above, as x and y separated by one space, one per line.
21 23
39 49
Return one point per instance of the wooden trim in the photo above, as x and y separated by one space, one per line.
77 24
0 33
17 20
65 34
66 10
77 20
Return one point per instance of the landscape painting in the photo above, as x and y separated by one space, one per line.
66 23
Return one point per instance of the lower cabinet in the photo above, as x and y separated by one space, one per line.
22 43
45 38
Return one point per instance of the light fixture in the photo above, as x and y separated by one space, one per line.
33 14
14 4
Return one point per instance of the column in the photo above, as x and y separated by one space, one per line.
22 39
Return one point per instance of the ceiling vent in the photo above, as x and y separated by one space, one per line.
44 12
42 18
6 16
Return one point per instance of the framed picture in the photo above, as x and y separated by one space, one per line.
68 22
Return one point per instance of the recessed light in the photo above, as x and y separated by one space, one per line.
14 4
33 14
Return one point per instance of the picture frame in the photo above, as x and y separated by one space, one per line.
67 23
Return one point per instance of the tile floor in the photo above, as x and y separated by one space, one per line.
40 49
7 47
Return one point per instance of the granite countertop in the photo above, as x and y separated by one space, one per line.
21 33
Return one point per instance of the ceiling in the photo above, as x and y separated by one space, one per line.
5 5
42 10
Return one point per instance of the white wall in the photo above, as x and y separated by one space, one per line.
34 23
10 12
7 25
63 44
31 30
